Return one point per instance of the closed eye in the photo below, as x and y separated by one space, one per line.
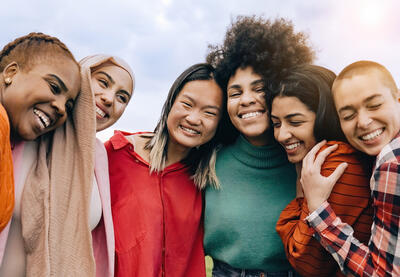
276 125
211 113
103 83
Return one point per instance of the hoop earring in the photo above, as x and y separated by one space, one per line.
7 81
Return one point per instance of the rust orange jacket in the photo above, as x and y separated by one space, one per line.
6 171
350 199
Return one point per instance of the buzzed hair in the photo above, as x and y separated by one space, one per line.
363 67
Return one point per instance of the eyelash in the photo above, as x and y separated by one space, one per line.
69 107
54 88
123 98
103 82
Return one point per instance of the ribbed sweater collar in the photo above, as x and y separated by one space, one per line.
269 156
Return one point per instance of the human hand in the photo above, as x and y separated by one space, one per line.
316 187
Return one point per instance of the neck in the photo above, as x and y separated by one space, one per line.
176 153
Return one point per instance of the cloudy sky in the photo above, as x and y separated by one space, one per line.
161 38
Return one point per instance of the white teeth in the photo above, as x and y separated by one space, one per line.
100 112
189 130
292 146
44 119
248 115
372 135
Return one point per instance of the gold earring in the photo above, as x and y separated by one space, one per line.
7 81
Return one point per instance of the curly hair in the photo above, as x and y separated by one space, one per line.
270 48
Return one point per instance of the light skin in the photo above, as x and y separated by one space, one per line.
247 107
39 100
293 125
369 115
192 121
113 88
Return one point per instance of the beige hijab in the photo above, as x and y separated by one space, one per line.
56 197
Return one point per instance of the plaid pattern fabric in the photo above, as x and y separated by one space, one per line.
382 255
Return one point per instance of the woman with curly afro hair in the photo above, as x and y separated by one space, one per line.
256 181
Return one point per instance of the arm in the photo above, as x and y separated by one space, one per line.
350 197
338 237
6 173
304 253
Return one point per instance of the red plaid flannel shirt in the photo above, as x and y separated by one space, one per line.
382 255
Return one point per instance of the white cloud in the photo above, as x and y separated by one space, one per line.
161 38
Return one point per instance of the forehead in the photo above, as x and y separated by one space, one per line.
243 76
119 75
205 92
284 105
63 67
359 88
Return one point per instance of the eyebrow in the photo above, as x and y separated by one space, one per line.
125 92
60 82
207 106
108 76
255 82
288 116
350 107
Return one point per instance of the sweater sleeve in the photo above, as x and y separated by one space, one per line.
6 172
349 198
304 253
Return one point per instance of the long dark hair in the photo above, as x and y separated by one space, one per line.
312 84
201 160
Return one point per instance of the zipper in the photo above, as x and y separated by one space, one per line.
163 226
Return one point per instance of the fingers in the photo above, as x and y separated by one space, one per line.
334 177
310 157
320 159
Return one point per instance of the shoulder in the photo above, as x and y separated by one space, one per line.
390 153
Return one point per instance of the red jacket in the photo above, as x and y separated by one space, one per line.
157 218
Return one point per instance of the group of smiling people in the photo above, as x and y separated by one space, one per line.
267 163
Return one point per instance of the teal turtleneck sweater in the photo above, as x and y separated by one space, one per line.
256 185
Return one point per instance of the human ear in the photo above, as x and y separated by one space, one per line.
9 72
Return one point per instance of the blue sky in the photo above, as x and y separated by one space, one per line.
161 38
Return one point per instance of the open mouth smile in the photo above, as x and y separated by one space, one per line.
372 135
42 118
249 115
189 130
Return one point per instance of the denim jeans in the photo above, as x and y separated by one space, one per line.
222 269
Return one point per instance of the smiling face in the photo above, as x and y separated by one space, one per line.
293 125
112 87
368 111
247 107
195 114
39 100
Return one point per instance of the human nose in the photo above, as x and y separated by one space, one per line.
106 98
193 118
363 119
283 133
247 98
59 105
